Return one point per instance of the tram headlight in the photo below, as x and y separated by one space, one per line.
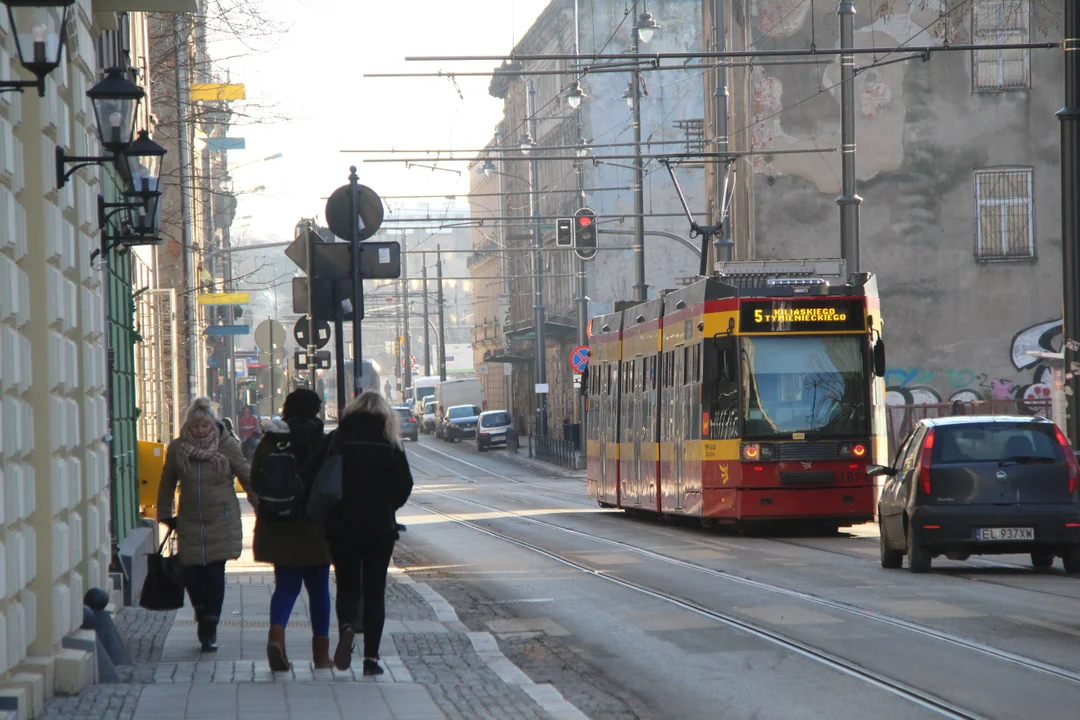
754 452
855 451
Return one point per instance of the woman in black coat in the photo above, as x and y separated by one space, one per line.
376 482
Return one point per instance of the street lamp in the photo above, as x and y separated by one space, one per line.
628 96
527 143
144 168
39 39
489 168
646 26
575 95
115 100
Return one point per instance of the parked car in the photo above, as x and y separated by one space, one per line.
981 485
459 421
410 426
427 420
493 429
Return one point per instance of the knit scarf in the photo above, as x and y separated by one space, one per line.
205 449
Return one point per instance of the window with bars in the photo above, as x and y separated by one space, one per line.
1004 214
997 22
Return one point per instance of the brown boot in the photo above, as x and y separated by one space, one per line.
275 649
320 653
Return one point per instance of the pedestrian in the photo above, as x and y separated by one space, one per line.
296 547
227 424
376 482
250 444
249 423
202 464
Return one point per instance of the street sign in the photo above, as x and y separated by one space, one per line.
322 360
325 306
238 298
320 337
216 92
370 210
564 232
541 388
223 330
411 364
298 250
270 336
224 143
579 359
300 360
378 261
585 233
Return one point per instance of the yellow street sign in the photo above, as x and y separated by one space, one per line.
217 92
237 298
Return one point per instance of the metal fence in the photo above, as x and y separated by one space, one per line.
555 451
901 418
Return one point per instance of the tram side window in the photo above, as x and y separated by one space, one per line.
721 388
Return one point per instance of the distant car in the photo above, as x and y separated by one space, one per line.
981 485
427 421
493 429
459 422
410 426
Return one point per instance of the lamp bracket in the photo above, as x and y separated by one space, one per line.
80 161
19 85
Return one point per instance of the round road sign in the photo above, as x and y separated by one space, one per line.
370 211
322 333
579 359
270 336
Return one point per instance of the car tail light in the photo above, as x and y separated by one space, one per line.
1070 458
758 451
924 462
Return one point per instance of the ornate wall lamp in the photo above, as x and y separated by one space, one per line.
141 219
115 101
39 31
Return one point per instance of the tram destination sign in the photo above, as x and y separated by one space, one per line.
816 315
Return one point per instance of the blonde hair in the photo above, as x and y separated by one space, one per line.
199 410
373 403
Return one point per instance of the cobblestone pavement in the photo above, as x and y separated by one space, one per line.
436 667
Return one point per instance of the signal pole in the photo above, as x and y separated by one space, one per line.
1069 116
538 269
405 305
427 322
442 321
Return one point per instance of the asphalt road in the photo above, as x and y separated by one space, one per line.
658 618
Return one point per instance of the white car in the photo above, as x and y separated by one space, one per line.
427 420
493 429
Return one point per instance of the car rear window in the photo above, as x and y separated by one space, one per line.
993 442
403 413
496 420
462 411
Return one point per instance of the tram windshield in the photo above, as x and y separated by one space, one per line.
804 384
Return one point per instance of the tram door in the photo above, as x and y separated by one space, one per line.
678 417
607 417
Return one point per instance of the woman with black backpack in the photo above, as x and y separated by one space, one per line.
284 536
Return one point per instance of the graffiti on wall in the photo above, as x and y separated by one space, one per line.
916 385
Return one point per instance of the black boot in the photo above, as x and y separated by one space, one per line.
208 633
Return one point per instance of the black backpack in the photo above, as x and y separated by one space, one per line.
280 488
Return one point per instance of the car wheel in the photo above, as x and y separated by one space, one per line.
1072 559
1042 559
918 557
890 559
480 448
416 437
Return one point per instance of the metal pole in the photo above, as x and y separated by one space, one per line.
427 322
582 278
187 231
1070 216
230 376
442 320
273 367
641 290
722 246
848 201
311 348
405 302
339 349
538 269
358 280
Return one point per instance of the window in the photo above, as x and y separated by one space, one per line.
1000 22
1004 215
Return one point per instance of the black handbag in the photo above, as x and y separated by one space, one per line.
164 586
326 489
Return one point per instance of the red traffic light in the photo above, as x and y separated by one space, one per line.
584 221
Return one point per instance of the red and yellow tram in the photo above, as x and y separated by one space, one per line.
748 396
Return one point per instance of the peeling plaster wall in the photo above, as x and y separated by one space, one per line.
951 322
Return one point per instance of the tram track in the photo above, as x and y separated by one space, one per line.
924 699
877 617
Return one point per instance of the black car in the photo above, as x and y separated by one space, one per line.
981 485
410 426
460 422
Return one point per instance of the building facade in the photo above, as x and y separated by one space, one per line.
959 170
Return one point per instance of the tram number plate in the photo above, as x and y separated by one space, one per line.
1005 533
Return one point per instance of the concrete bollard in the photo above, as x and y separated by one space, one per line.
96 601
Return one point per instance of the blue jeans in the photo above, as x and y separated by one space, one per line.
287 582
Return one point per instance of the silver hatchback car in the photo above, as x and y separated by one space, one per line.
493 429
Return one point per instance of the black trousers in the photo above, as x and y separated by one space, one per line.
205 586
360 564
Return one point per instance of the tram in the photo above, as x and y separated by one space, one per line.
753 395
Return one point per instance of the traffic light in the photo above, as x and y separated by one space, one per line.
585 233
564 232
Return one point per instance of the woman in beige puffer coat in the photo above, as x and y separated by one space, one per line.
202 463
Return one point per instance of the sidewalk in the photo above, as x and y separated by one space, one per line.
435 667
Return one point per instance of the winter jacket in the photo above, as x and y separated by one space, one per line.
290 543
208 518
376 480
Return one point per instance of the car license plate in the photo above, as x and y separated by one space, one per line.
1005 533
498 438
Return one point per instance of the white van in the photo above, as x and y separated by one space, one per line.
466 391
422 390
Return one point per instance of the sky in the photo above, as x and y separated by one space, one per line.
311 76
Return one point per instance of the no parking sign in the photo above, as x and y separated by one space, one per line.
579 359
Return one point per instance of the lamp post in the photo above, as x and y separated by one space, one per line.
642 33
528 148
39 39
